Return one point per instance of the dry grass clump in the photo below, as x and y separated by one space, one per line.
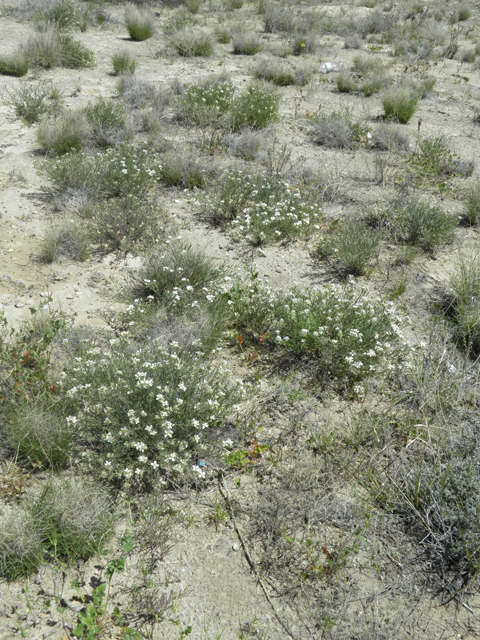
124 62
338 131
107 124
40 437
69 132
278 17
282 74
20 544
140 23
245 144
245 43
472 204
66 240
14 64
53 48
400 103
190 42
134 92
184 168
388 137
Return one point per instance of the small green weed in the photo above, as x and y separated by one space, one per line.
354 245
31 101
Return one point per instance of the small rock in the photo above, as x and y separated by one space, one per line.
19 305
69 297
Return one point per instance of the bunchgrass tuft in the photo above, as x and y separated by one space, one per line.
190 42
140 23
472 204
246 43
424 225
15 64
31 101
69 132
399 103
123 62
65 240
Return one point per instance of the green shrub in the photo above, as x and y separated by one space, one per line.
69 132
14 64
124 62
246 43
399 103
354 245
31 101
205 104
53 48
425 226
152 413
463 14
259 208
190 42
74 54
140 23
435 157
257 107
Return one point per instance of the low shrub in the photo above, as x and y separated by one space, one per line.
245 144
124 62
259 208
346 82
304 44
69 132
140 23
64 14
256 107
282 75
223 34
190 42
20 544
278 18
31 101
399 103
435 157
354 245
15 64
126 223
136 93
185 169
388 137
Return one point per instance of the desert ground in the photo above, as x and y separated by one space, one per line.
240 305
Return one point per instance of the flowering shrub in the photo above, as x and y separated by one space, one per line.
347 335
256 107
145 415
260 208
121 171
202 104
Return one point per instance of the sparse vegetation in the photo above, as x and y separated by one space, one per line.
124 62
140 23
399 103
31 101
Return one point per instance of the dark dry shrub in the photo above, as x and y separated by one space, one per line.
334 131
256 107
73 517
124 62
388 137
107 122
69 132
353 41
140 23
136 93
472 204
190 42
245 43
399 103
126 223
31 101
278 17
245 144
66 240
425 226
353 244
14 64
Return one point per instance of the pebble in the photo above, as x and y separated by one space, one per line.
19 305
